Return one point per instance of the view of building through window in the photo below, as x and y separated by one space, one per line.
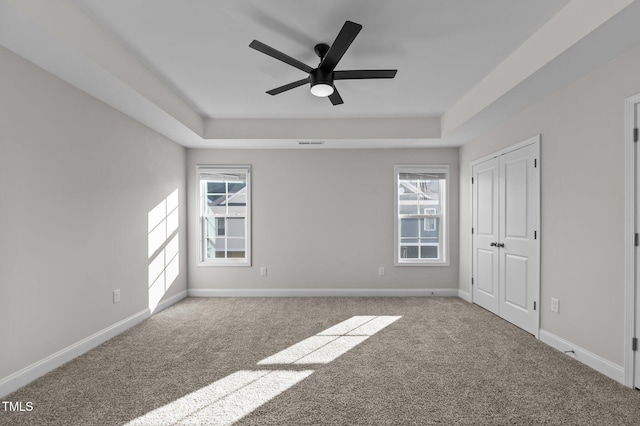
421 210
225 214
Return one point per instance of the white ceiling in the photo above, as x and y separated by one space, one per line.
185 68
441 50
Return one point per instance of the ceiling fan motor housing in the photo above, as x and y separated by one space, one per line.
320 76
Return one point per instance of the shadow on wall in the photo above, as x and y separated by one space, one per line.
164 247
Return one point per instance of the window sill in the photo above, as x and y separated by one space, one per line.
422 263
207 264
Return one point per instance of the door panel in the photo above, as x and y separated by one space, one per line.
515 268
486 272
485 224
487 201
515 179
519 256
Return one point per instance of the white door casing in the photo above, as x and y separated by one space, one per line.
636 332
505 242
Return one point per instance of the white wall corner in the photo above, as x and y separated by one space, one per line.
464 295
169 302
601 365
28 374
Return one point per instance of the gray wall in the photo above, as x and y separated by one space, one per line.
323 219
77 180
582 190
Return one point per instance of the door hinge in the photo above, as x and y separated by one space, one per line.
637 239
535 235
634 344
635 134
472 180
471 281
535 305
535 162
472 230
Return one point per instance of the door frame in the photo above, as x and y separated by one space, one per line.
630 201
530 141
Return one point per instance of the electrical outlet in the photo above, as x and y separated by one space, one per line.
555 305
116 296
263 271
381 271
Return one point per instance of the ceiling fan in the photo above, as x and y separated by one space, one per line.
321 78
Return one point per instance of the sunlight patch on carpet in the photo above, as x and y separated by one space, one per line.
331 343
225 401
297 351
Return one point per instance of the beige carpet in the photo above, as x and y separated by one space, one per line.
443 362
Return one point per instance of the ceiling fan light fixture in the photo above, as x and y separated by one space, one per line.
322 90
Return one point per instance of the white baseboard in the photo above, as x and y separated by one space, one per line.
169 301
464 295
322 292
609 369
28 374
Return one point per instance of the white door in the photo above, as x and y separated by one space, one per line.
518 238
485 234
505 236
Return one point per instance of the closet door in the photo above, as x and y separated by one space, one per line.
486 234
518 238
505 245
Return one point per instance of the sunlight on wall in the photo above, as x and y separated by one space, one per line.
163 247
227 400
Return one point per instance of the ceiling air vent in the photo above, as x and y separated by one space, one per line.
310 142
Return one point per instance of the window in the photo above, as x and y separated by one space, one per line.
421 215
225 215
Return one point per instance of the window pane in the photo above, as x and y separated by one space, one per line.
216 200
430 227
409 227
210 225
220 226
237 187
235 244
238 199
237 210
408 252
216 210
429 252
215 248
236 227
408 204
214 187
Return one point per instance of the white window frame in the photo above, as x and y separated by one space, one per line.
443 243
201 172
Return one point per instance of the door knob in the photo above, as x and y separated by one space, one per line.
499 245
493 244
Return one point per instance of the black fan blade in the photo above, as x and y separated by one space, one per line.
268 50
345 37
358 74
289 86
335 97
